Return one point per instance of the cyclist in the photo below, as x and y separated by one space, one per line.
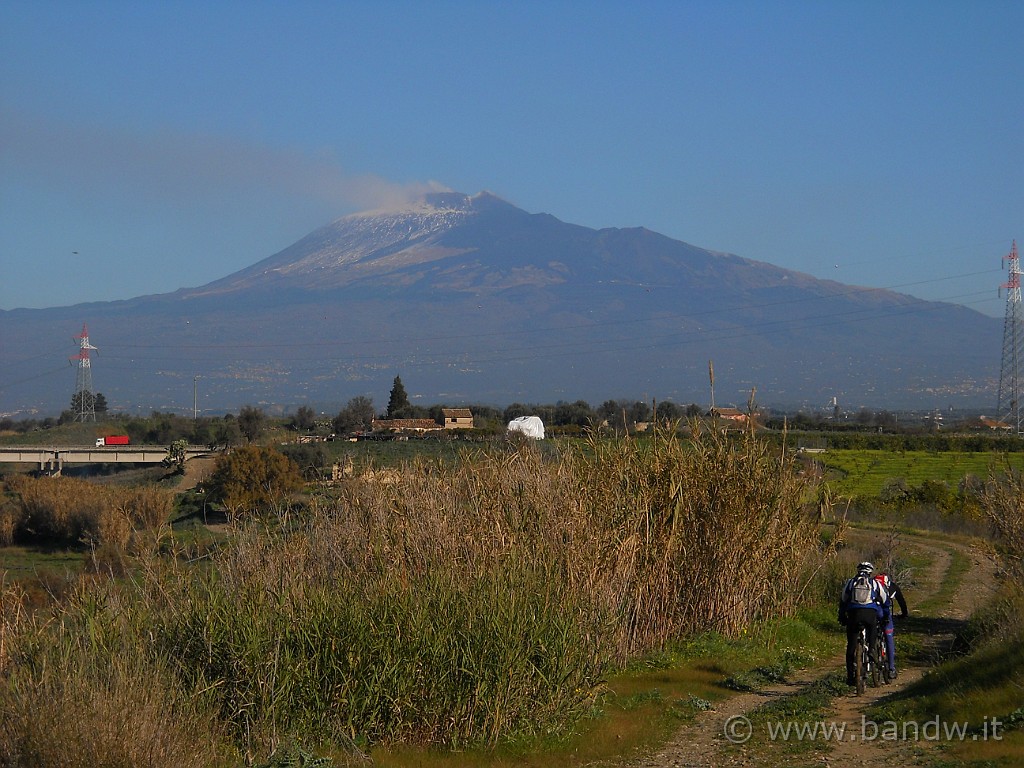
862 604
892 589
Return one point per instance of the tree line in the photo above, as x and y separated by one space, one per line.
867 430
622 414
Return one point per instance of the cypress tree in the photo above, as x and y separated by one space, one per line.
398 404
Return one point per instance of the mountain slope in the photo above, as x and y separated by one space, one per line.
473 299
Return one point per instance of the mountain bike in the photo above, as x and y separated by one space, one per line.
864 663
881 653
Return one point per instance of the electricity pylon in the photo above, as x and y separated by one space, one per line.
1008 406
84 401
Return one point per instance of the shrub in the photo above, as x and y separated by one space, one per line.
1002 503
252 478
311 459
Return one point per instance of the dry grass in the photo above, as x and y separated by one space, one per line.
1003 505
80 690
13 617
709 534
71 511
464 602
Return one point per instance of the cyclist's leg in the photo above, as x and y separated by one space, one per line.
852 631
890 645
872 637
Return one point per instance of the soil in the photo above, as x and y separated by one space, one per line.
196 470
703 743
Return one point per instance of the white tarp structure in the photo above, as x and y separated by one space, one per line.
531 426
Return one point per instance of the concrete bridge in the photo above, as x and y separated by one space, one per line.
51 459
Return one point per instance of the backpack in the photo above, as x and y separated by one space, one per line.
885 584
861 591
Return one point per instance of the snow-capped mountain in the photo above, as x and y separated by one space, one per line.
471 299
367 245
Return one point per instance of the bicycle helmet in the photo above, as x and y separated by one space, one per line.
865 567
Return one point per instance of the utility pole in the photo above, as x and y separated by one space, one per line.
195 400
711 375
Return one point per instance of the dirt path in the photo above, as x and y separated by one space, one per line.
862 747
704 743
196 470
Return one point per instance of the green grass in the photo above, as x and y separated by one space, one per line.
20 562
44 574
76 433
446 450
652 697
959 566
974 689
809 704
864 472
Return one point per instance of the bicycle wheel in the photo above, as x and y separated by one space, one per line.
873 662
859 669
882 655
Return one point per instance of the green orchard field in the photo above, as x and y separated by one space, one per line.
865 472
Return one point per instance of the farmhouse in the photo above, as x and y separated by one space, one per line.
994 424
457 418
452 418
404 425
734 415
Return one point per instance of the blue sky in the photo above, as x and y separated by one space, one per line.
170 144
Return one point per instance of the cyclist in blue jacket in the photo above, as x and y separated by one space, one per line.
892 589
862 604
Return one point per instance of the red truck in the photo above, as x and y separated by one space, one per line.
111 440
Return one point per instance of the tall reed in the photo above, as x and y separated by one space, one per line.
464 602
377 661
1002 502
690 536
83 688
70 510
